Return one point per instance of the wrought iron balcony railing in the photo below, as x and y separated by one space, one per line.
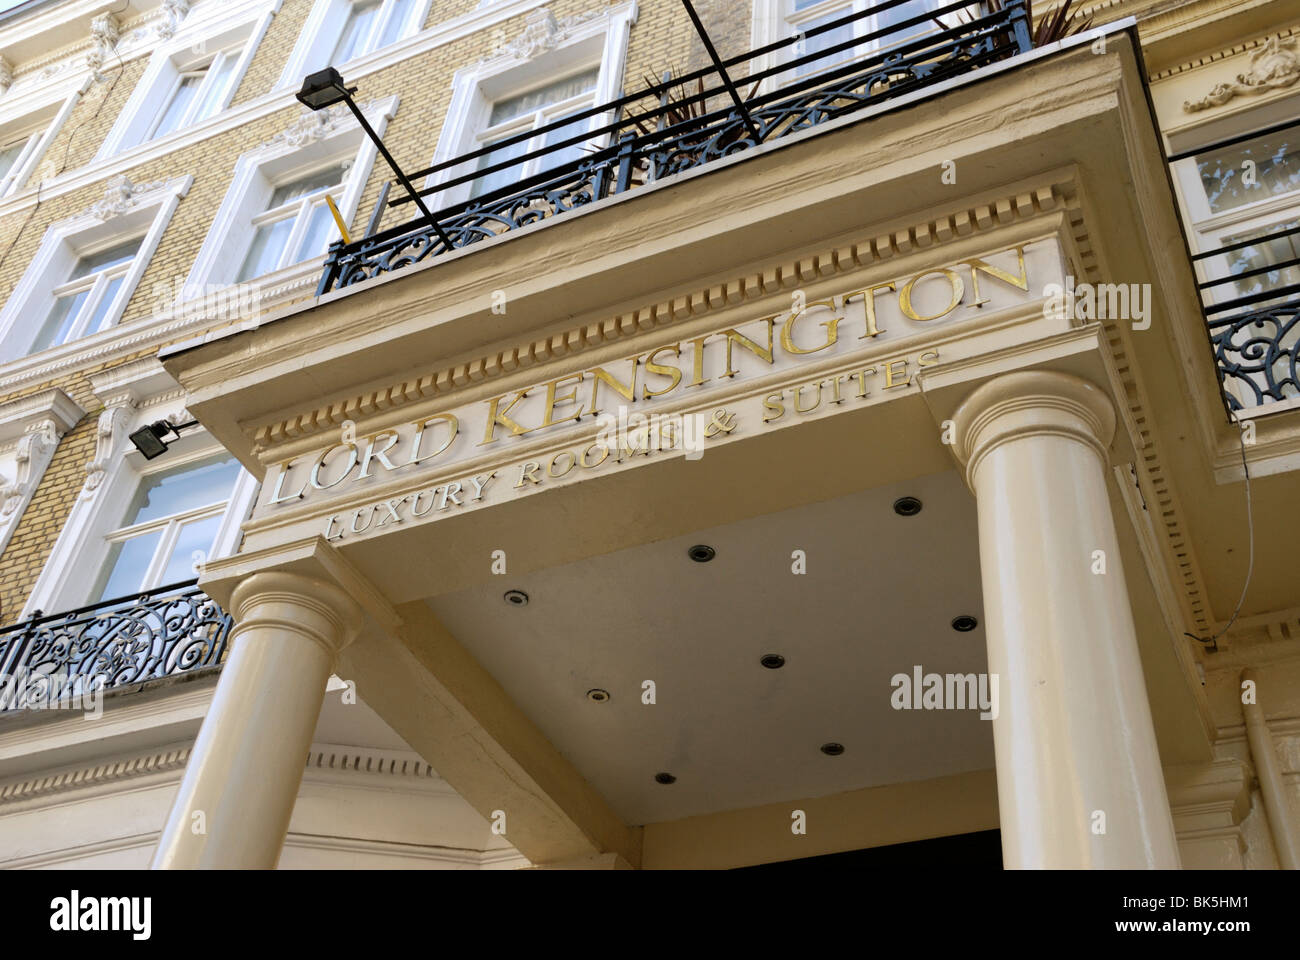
641 146
146 636
1250 296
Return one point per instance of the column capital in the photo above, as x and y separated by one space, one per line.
291 601
1031 403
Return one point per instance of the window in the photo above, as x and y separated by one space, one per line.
338 32
1246 196
529 111
82 276
274 224
191 77
197 93
171 522
527 86
371 24
16 150
1242 192
297 224
804 15
84 303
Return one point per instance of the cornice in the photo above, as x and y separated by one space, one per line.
136 383
91 776
326 763
1026 200
1226 54
115 343
17 416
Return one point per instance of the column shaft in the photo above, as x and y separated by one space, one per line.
243 774
1079 776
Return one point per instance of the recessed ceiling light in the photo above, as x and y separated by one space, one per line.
773 661
907 506
665 778
701 553
597 695
517 598
965 623
832 749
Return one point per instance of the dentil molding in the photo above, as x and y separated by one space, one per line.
1273 66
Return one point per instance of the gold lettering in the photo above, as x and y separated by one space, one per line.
662 370
320 462
415 504
861 377
776 404
572 462
889 374
921 361
976 265
419 437
736 337
697 364
639 445
380 455
625 390
787 330
604 452
501 417
279 485
905 294
552 398
835 388
356 515
798 407
869 305
528 472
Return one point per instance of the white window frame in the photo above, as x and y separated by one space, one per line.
170 525
324 27
1205 230
31 138
777 19
196 42
145 213
532 121
598 42
40 117
299 210
330 138
95 284
135 394
209 67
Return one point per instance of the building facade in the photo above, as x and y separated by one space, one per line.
877 423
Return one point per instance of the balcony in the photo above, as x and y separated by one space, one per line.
1250 290
691 125
117 643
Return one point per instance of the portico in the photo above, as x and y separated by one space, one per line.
762 357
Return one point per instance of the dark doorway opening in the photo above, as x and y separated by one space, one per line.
978 850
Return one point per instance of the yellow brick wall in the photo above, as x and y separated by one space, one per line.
662 38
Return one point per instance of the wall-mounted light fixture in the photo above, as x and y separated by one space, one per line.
323 89
152 440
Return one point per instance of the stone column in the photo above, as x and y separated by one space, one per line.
242 778
1079 777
